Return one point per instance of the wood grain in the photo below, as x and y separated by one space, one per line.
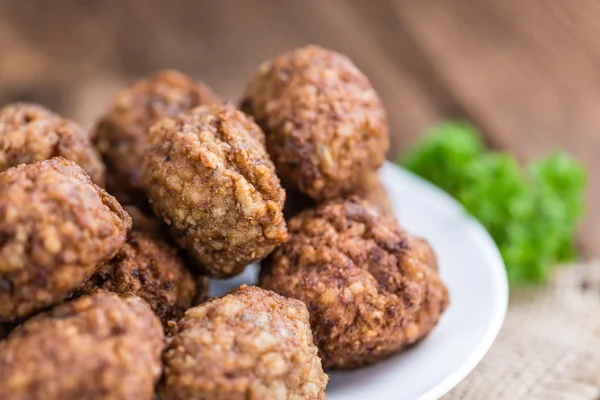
525 72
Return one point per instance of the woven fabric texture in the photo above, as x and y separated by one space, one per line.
549 345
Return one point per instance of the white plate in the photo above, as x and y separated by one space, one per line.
471 267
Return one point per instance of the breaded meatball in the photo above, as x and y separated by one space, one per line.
96 347
30 133
210 178
324 123
56 228
152 270
361 279
122 133
252 344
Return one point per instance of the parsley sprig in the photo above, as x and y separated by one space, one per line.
531 212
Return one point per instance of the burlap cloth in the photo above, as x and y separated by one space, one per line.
549 345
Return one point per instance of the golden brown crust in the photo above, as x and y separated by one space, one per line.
122 133
30 133
252 344
56 228
360 278
435 299
152 270
97 347
323 122
209 177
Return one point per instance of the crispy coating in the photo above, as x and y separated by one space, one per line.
323 122
252 344
210 178
122 133
30 133
96 347
361 279
152 270
436 299
56 228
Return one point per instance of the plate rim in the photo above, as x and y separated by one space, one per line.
497 267
445 203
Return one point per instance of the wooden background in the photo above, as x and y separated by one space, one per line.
527 72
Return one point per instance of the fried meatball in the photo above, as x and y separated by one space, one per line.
361 279
152 270
210 178
96 347
324 123
30 133
252 344
56 228
122 133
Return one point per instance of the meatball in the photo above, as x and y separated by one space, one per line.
56 228
208 175
251 344
152 270
368 291
324 123
97 347
122 133
30 133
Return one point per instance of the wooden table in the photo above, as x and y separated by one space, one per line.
526 72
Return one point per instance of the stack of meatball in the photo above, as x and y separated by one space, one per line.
103 291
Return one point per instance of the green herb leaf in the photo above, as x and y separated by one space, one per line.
532 213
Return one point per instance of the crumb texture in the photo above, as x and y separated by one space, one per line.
252 344
122 133
97 347
367 283
56 228
152 270
30 133
209 177
324 123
